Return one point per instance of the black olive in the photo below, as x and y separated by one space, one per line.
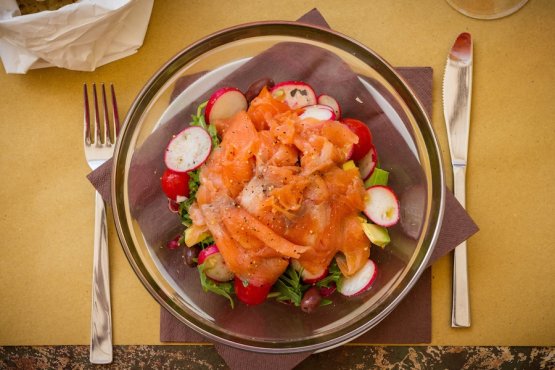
311 300
191 255
256 87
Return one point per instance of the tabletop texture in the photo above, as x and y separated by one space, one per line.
46 214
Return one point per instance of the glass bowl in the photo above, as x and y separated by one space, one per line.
368 88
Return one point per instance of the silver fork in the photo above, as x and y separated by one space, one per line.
99 147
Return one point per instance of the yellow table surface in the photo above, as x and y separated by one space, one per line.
46 203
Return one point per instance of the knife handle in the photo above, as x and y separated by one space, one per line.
460 316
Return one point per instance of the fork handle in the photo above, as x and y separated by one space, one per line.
101 316
460 316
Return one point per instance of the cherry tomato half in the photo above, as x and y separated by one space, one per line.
364 137
251 294
175 184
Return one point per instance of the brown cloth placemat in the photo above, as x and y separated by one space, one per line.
411 320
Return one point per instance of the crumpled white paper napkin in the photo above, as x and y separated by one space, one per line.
79 36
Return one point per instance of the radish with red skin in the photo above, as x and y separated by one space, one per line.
359 282
307 276
313 278
174 243
173 206
207 252
215 269
327 291
381 205
181 199
367 164
225 103
319 112
349 152
188 150
296 94
332 103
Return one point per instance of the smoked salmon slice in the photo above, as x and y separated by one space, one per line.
264 107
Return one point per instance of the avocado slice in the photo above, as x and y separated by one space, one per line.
377 234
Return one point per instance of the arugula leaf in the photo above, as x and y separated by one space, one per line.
198 120
194 182
289 287
334 274
184 211
209 285
206 242
214 135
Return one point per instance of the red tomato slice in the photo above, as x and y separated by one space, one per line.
175 184
251 294
364 137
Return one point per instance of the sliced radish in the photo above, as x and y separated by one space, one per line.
332 103
173 206
174 243
319 112
308 277
381 205
296 94
367 164
224 103
359 282
188 150
207 252
180 198
215 269
349 152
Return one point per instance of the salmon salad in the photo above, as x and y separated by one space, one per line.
282 197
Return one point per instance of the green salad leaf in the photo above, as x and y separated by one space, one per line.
194 183
198 120
206 242
209 285
289 287
184 211
334 274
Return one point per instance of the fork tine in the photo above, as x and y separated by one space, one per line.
96 129
87 118
115 112
106 128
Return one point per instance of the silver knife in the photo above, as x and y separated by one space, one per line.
457 91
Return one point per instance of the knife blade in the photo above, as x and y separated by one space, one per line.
457 91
